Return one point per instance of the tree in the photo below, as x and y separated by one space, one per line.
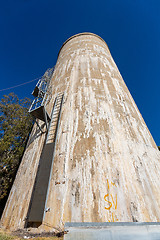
15 126
159 148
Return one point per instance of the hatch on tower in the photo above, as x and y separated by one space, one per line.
42 95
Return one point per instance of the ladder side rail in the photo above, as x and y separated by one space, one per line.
51 117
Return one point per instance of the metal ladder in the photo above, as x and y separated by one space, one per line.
42 182
55 116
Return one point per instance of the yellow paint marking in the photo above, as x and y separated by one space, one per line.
113 218
113 184
111 203
108 183
114 203
107 201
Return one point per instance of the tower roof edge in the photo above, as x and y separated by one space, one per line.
79 34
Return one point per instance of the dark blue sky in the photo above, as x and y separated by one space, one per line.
32 32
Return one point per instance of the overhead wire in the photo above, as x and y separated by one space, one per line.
4 89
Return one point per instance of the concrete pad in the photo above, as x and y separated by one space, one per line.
112 231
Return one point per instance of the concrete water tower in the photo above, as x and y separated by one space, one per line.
90 157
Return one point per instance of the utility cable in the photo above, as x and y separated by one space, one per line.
20 84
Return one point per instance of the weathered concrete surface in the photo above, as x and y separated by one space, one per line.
17 205
106 165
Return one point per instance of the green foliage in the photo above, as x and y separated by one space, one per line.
15 126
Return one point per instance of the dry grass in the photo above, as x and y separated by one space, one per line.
6 235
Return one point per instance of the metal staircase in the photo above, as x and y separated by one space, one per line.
42 94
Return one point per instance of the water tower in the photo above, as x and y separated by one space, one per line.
90 156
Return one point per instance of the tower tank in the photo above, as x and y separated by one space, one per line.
96 161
